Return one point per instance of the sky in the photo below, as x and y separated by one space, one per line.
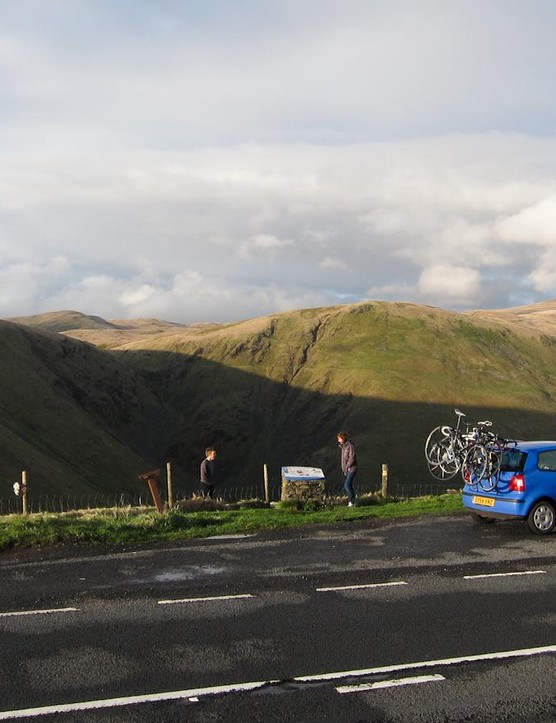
217 160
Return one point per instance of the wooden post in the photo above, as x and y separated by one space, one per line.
266 485
153 487
150 479
384 487
24 498
169 483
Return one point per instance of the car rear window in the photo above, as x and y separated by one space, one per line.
547 460
513 460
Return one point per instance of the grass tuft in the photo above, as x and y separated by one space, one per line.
203 518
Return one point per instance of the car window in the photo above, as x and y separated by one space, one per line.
547 460
513 460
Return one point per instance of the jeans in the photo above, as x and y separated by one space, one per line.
207 490
348 485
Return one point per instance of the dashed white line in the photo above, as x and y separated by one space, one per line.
204 599
505 574
360 587
395 683
38 612
197 693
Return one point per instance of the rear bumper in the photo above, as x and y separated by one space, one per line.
490 504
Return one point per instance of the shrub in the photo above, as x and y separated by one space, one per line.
199 504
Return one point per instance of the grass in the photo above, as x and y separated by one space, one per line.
136 526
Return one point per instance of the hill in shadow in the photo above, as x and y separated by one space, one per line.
277 389
75 417
255 421
271 390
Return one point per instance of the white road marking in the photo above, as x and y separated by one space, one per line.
360 587
194 693
204 599
416 680
505 574
523 653
191 694
39 612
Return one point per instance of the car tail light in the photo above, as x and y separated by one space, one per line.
517 483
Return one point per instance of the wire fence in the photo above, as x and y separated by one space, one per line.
70 503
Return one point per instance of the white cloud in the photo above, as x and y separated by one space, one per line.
535 225
330 262
215 160
457 284
543 275
265 245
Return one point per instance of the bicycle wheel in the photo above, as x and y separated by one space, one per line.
474 464
492 471
432 442
439 471
444 460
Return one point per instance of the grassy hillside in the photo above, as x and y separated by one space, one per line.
276 389
73 416
63 321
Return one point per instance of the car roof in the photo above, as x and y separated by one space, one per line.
528 446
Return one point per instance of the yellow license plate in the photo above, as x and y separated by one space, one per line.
484 501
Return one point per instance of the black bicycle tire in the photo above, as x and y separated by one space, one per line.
474 464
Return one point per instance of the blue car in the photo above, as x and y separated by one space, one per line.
525 489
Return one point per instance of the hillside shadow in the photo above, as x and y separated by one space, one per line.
254 421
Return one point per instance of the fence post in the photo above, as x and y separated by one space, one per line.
266 485
384 485
24 498
169 483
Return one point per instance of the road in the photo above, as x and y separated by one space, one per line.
430 619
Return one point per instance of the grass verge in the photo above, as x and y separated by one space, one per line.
126 526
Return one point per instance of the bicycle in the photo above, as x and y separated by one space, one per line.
445 449
477 454
483 461
483 458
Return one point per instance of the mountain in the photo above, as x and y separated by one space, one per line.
63 321
276 389
75 417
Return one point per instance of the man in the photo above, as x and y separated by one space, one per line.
207 471
348 462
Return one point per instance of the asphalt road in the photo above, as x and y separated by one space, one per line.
431 619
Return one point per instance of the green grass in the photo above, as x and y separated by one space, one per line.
134 526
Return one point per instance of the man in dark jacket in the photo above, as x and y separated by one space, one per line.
207 472
348 461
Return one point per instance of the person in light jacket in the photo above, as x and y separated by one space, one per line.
348 462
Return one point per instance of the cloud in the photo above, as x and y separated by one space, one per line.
457 284
535 224
331 222
332 263
216 161
265 245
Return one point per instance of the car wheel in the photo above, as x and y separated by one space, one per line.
481 519
541 518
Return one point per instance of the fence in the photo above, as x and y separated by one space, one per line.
68 503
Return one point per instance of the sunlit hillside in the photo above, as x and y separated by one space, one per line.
276 389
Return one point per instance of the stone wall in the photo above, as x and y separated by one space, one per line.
305 491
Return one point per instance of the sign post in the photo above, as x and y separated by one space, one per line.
20 488
150 478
